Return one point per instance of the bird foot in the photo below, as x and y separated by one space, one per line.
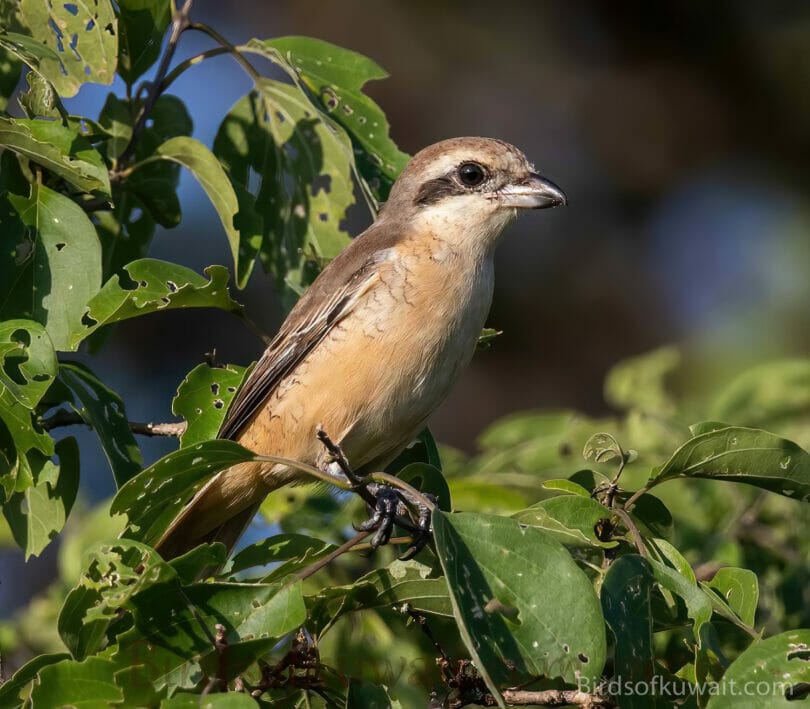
391 508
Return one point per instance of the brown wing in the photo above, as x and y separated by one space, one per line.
307 324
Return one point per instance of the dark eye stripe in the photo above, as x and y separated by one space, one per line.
437 189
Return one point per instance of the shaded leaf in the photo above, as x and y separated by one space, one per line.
103 410
625 596
59 149
10 689
429 479
203 398
294 550
493 564
141 24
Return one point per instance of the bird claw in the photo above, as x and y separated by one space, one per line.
385 516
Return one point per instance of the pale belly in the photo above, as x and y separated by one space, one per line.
380 373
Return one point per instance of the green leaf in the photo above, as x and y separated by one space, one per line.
367 696
152 286
116 119
523 606
84 37
625 595
652 517
141 24
487 337
203 398
10 689
171 643
768 668
27 360
745 455
56 268
26 49
639 382
571 519
38 514
19 434
567 486
335 77
103 410
152 498
423 450
60 149
202 163
739 590
84 685
193 564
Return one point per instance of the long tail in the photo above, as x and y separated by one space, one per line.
219 512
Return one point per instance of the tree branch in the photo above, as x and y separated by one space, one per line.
62 417
180 24
557 698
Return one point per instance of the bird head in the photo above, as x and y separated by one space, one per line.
469 189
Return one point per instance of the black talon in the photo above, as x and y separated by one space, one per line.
422 537
383 517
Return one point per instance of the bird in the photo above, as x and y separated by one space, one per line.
377 341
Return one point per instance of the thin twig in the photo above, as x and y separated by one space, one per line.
227 46
62 417
331 556
634 497
628 522
180 23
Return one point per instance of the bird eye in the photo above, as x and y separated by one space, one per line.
471 174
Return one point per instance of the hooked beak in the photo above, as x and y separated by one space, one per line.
534 192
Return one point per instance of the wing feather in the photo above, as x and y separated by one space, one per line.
306 326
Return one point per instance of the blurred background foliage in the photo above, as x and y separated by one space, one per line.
679 132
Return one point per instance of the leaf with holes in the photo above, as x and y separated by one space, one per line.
82 34
336 77
11 689
57 267
776 667
57 148
203 398
103 410
27 360
113 572
571 519
304 179
523 606
141 24
38 514
745 455
152 498
153 286
19 434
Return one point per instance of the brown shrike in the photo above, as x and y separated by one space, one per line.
377 341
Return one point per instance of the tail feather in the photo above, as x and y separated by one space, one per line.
219 512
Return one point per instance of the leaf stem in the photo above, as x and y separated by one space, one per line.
634 497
